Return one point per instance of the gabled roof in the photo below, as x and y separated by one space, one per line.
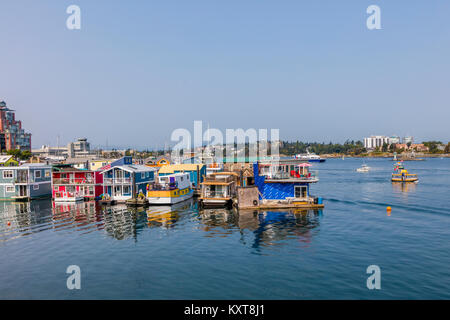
132 168
4 159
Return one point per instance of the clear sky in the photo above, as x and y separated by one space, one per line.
137 70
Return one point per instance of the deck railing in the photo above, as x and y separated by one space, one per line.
215 194
310 175
117 180
73 181
219 178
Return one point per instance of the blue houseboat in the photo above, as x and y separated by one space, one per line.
122 182
25 182
285 185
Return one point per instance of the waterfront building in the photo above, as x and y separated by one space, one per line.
51 153
123 182
79 148
8 161
419 147
97 164
72 184
12 135
25 182
219 189
394 139
284 181
374 142
196 171
407 140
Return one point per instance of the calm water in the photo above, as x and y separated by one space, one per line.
181 253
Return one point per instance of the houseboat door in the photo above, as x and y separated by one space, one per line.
23 191
300 192
117 191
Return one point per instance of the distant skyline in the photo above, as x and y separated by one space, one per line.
137 71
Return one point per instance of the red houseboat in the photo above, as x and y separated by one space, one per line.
70 184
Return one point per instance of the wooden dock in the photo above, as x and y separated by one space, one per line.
277 205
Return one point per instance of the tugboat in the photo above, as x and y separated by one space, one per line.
400 174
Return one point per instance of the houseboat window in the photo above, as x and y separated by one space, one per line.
36 187
55 188
63 175
9 189
142 175
7 174
47 173
300 191
126 189
37 174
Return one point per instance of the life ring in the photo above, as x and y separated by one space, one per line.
255 202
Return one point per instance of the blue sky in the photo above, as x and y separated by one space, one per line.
137 70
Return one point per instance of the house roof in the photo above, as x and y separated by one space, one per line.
4 159
132 168
180 167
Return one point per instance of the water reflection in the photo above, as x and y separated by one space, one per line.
263 228
168 216
121 222
268 228
404 187
81 216
22 218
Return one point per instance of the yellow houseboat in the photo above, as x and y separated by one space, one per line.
170 189
400 174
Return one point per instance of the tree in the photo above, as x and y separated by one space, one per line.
447 148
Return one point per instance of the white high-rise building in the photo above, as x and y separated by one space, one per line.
407 140
375 141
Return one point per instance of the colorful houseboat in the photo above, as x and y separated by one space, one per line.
196 172
70 184
219 189
25 182
400 174
285 185
125 182
170 189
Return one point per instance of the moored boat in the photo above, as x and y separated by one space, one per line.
400 174
218 189
170 189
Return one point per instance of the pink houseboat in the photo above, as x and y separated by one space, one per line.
70 184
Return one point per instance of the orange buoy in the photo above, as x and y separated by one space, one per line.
9 223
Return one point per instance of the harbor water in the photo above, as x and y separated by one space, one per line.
184 253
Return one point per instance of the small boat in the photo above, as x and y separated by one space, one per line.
171 189
364 168
400 174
